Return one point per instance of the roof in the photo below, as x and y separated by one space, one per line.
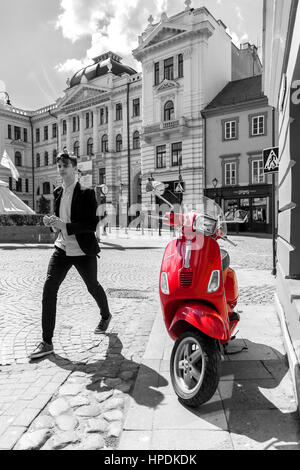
102 65
238 91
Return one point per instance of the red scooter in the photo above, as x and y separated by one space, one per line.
198 293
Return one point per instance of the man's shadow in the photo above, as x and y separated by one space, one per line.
248 411
143 391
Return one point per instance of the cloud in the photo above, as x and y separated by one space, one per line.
112 25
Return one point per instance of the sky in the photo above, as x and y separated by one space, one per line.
44 42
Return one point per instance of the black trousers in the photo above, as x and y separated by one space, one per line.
58 268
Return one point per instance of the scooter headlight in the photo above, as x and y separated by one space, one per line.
214 282
205 224
164 284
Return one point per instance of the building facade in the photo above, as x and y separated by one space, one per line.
239 126
282 86
126 127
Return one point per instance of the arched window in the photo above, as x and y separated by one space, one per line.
38 160
136 140
104 143
54 156
38 191
46 188
76 149
169 111
90 147
46 159
119 143
119 112
18 159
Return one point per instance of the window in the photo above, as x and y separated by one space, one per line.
156 73
119 143
19 185
10 183
180 65
27 185
102 119
46 133
25 135
230 174
136 107
54 156
76 149
74 121
54 131
18 159
46 188
136 140
258 125
87 120
17 133
9 134
258 172
119 112
46 159
90 147
230 130
169 111
102 176
177 154
37 135
169 69
38 160
161 156
64 129
104 143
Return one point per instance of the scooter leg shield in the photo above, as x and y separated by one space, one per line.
202 318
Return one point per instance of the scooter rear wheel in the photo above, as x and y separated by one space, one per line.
195 368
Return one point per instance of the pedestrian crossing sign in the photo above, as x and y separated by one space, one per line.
179 188
271 160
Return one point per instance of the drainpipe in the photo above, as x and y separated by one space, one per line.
204 148
32 164
128 147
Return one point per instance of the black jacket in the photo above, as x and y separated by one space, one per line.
83 217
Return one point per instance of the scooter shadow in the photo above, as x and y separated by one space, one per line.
109 368
257 404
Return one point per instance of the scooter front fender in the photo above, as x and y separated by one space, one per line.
202 317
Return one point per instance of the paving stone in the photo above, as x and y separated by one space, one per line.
93 442
97 425
113 415
113 403
102 396
33 440
113 382
70 389
43 422
89 411
80 400
115 429
58 407
61 440
11 436
66 422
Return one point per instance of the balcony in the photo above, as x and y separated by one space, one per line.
165 129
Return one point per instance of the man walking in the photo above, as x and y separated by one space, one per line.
76 245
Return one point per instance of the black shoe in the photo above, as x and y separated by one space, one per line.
103 325
43 349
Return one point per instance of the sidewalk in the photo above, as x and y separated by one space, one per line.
254 407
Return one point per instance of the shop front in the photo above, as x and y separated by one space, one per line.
255 201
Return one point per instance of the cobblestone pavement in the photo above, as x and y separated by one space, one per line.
77 398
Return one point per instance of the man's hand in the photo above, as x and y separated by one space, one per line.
46 220
57 223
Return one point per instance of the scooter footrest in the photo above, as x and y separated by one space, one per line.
234 317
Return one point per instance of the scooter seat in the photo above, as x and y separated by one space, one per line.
225 258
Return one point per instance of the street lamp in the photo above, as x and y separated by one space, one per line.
7 97
215 184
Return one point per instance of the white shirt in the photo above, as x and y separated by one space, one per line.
66 242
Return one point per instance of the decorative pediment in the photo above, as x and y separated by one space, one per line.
162 34
167 85
83 94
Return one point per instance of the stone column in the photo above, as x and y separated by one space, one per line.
69 135
82 149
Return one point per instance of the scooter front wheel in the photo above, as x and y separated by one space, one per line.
195 368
